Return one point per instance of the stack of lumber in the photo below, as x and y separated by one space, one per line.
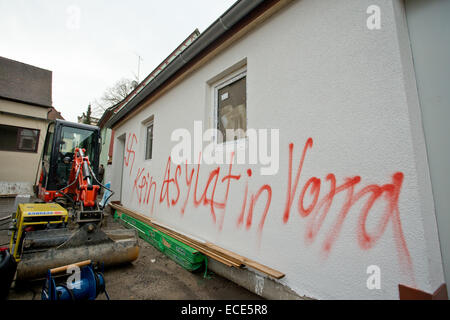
213 251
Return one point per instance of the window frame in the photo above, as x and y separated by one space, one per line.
148 124
18 135
225 81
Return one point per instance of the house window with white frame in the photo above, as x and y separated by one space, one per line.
149 141
231 108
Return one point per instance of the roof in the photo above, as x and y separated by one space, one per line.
54 114
25 83
242 12
105 116
77 125
150 77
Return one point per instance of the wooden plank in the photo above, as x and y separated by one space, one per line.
255 265
206 252
211 250
260 267
200 248
64 268
223 251
179 237
203 246
175 235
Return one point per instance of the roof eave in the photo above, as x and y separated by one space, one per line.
214 32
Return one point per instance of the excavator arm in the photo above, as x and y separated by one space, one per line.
85 190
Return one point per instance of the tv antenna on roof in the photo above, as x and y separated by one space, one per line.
139 65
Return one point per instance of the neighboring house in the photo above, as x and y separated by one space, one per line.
107 146
25 103
54 114
351 211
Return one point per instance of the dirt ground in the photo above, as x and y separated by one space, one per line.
153 276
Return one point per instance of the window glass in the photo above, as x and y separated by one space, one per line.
18 139
8 139
72 138
232 110
28 140
149 142
48 142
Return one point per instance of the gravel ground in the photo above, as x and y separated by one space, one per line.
153 276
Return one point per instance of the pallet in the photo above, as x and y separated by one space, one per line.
211 250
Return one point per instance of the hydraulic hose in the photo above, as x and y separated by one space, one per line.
68 186
96 180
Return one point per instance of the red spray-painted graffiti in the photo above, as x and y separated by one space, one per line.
312 204
318 210
143 186
129 151
210 187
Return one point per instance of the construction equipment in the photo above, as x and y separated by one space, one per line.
66 226
69 168
32 217
86 283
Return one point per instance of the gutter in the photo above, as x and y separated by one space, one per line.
106 115
230 18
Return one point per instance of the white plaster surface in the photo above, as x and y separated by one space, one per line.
313 70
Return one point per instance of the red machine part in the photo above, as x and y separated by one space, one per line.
83 189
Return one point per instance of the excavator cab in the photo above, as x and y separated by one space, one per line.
62 139
70 161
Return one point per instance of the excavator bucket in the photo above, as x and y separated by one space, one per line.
50 248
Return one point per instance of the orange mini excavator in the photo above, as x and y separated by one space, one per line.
64 226
68 176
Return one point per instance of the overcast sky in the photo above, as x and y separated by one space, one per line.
89 45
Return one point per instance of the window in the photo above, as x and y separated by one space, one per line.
48 142
231 108
149 141
103 135
18 139
72 138
47 152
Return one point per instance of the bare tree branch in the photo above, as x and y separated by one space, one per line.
113 95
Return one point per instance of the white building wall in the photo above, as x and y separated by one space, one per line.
315 71
429 28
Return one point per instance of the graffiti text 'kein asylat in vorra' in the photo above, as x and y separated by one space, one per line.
313 199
